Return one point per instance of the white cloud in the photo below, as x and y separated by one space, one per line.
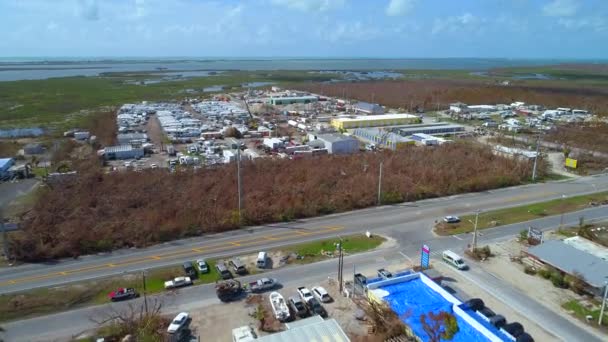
88 9
467 21
561 8
598 24
400 7
140 8
311 5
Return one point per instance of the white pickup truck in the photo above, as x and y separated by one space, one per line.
178 282
263 284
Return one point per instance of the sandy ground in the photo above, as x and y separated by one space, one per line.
534 285
215 322
556 160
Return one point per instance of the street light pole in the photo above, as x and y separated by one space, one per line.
238 180
561 218
603 303
145 297
536 158
380 184
475 231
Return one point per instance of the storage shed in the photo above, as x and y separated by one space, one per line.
123 152
336 143
33 148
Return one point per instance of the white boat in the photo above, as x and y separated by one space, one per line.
279 306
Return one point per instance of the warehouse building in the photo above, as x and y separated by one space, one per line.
352 122
368 108
136 139
309 329
123 152
382 137
292 100
571 258
433 128
5 165
33 148
336 143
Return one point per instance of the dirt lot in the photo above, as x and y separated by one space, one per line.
534 285
218 320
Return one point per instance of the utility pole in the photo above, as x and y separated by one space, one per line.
145 297
536 157
474 247
238 181
380 184
340 265
599 322
561 218
354 283
4 236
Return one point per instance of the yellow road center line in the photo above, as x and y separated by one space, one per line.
218 247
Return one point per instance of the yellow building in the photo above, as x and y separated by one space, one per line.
350 122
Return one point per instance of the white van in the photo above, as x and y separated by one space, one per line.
262 259
454 260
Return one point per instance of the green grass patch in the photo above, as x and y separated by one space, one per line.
581 312
521 213
322 249
50 300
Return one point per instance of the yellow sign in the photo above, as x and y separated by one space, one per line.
571 163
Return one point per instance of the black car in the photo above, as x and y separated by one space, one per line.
382 273
123 294
189 269
316 308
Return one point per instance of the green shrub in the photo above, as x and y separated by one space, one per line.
545 273
558 280
530 270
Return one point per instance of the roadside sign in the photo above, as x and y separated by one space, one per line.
571 163
535 234
425 257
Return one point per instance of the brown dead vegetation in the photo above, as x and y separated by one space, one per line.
438 94
100 212
591 136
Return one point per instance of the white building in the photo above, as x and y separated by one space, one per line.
273 143
339 144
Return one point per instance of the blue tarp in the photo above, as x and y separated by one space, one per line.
413 298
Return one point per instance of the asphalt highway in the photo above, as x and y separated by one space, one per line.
409 223
66 325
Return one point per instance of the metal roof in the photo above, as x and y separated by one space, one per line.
313 329
5 161
569 259
120 148
588 246
334 137
369 107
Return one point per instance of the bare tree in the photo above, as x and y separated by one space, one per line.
134 321
442 325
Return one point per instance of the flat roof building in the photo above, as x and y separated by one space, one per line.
382 137
368 108
351 122
337 143
309 329
569 259
292 99
432 128
123 152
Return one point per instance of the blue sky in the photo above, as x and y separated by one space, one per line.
306 28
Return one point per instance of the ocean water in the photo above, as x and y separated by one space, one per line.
13 69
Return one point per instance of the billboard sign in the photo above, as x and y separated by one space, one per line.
425 257
535 234
571 163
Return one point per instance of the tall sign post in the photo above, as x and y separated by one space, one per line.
425 257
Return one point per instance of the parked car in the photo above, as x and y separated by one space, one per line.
305 294
123 294
382 273
202 266
178 323
298 306
322 295
223 271
263 284
178 282
451 219
316 308
189 269
238 266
